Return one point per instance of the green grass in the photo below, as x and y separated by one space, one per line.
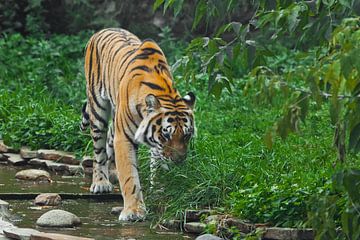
41 91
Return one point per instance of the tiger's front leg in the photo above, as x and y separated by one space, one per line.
126 165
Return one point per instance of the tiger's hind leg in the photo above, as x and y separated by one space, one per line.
99 115
113 177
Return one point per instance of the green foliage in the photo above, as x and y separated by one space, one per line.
332 74
337 205
41 95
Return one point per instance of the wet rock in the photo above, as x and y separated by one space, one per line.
58 156
6 149
55 236
4 205
116 210
3 157
208 237
27 153
5 214
195 215
52 166
15 159
58 218
19 233
194 227
172 224
288 234
33 175
5 225
87 161
241 225
57 167
75 169
37 162
48 199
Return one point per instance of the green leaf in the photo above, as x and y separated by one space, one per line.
335 108
157 4
354 138
177 7
167 4
199 13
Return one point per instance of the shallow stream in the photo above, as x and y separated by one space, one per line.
97 222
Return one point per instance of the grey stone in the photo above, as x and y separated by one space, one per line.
19 233
48 199
58 218
52 166
56 236
33 175
4 205
5 225
57 167
3 157
194 227
75 169
27 153
116 210
277 233
58 156
241 225
15 159
37 162
172 224
6 149
208 237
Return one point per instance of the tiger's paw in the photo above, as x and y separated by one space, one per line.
103 186
132 215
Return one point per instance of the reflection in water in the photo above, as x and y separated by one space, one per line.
97 222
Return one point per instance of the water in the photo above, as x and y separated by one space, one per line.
97 222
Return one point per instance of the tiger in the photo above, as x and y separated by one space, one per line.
131 100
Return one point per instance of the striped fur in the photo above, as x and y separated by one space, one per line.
131 100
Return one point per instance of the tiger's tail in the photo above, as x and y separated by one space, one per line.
85 122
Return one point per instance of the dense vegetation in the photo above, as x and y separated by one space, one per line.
259 78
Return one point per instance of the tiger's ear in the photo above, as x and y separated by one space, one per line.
189 99
152 103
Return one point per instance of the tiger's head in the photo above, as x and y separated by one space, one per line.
168 126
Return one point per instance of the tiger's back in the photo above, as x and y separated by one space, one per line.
129 82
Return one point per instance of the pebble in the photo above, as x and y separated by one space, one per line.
58 218
208 237
48 199
33 174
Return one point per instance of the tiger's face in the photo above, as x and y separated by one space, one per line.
168 127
